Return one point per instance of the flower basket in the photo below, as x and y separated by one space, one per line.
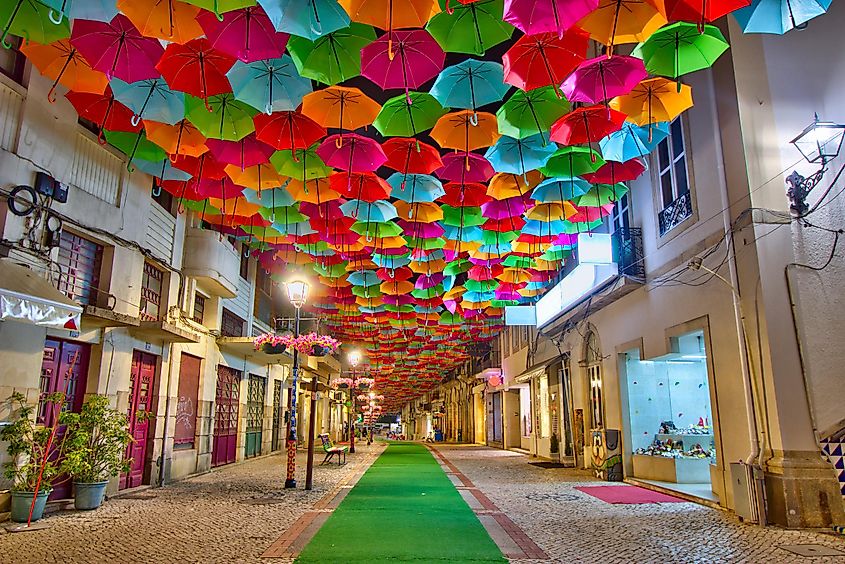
341 383
270 343
312 344
319 350
270 348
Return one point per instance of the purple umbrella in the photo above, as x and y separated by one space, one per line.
117 48
422 230
465 167
540 16
602 78
503 209
425 282
351 152
398 300
402 59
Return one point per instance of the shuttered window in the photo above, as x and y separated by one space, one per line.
80 262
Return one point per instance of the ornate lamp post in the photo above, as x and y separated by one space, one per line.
819 143
354 361
298 295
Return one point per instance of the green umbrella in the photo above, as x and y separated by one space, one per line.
581 226
200 206
568 162
481 285
330 270
462 217
426 244
397 118
472 28
496 237
367 291
334 57
681 48
447 318
457 267
228 119
428 293
283 215
376 229
399 308
261 231
302 164
516 261
601 194
219 7
552 255
527 113
135 145
32 21
503 303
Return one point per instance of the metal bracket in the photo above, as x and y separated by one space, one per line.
798 188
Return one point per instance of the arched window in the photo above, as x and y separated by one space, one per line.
592 361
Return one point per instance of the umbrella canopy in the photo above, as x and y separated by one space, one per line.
465 167
560 190
470 84
171 21
180 139
586 125
632 141
544 59
681 48
778 16
269 85
151 99
599 79
540 16
615 22
352 153
378 211
333 57
518 156
117 48
221 117
288 130
700 11
415 187
654 100
408 114
471 28
403 59
466 130
196 68
532 112
410 155
65 65
340 107
613 172
316 20
104 111
246 34
31 19
390 14
366 186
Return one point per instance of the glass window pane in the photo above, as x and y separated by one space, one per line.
666 188
681 176
677 137
663 159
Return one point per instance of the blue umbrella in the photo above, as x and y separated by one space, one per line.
310 19
271 198
379 211
415 188
363 278
271 85
391 261
162 169
296 229
779 16
518 156
464 234
560 189
540 228
150 99
470 84
632 141
100 10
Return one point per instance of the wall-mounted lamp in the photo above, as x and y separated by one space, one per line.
820 143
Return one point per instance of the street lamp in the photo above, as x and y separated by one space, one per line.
298 295
354 361
820 143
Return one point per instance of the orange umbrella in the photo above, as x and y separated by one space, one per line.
316 191
180 139
422 212
427 267
514 276
391 14
61 62
624 21
256 177
654 100
340 107
466 130
397 287
171 20
233 207
503 186
394 242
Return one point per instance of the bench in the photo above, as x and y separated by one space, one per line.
332 450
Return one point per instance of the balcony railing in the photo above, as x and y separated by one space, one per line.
628 252
678 211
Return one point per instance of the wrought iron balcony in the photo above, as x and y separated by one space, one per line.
675 213
628 252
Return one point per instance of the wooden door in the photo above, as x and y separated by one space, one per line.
227 408
64 368
142 378
276 443
254 415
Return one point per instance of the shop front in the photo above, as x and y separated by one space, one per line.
670 431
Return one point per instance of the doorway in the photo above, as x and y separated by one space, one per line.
227 409
256 389
64 368
276 443
141 381
494 420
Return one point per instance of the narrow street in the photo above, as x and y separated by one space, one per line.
236 513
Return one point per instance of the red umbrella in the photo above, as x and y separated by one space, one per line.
403 59
353 153
465 167
222 189
401 273
701 11
544 59
117 48
328 211
104 111
612 172
204 166
590 214
366 186
504 225
288 130
245 153
247 34
196 68
471 194
410 156
586 125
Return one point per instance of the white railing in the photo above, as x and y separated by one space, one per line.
96 170
161 230
11 105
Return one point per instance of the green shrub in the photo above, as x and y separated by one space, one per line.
95 441
28 445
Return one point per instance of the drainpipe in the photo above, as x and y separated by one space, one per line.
166 416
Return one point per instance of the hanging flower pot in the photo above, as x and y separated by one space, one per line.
270 348
270 343
319 350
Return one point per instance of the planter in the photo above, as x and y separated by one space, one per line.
89 495
270 348
319 350
22 501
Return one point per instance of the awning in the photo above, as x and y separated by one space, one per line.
534 371
25 296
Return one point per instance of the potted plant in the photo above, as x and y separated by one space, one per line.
29 467
312 344
271 343
95 448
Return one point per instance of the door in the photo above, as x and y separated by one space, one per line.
254 414
142 378
227 408
494 419
276 442
64 368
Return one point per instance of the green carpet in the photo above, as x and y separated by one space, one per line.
403 508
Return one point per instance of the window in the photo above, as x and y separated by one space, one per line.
152 287
244 262
80 262
12 61
231 325
199 307
676 204
592 358
265 309
621 215
163 198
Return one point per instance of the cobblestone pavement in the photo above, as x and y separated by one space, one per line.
231 514
574 527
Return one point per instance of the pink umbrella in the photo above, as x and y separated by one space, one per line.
462 167
398 300
404 59
425 282
541 16
247 34
325 210
503 209
245 153
351 152
221 189
117 48
599 79
424 230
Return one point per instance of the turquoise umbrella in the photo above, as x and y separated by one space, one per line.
415 188
363 278
560 190
99 10
306 18
518 156
779 16
391 261
150 99
271 85
163 169
470 84
633 141
540 228
270 197
378 211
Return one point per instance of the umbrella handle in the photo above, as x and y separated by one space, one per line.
390 54
51 95
338 142
156 190
53 18
217 11
101 139
473 119
449 9
135 120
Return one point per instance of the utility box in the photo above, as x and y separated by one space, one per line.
741 480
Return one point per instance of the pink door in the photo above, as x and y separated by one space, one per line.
140 404
64 368
227 404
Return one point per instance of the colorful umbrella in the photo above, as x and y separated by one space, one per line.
408 114
170 20
470 84
246 34
221 117
615 22
568 162
529 113
466 130
613 172
465 167
117 48
104 111
586 125
681 48
518 156
302 164
244 153
541 16
390 14
288 130
599 79
654 100
151 99
632 141
334 57
61 62
544 59
560 189
410 155
472 28
779 16
220 7
196 68
33 20
352 153
403 59
701 11
340 107
270 85
415 187
317 19
100 10
378 211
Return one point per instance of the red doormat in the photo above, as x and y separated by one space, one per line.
628 495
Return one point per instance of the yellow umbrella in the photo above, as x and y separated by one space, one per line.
394 242
340 107
348 247
340 282
503 185
455 245
654 100
475 305
551 212
526 248
256 177
466 130
514 276
542 264
529 293
422 212
239 206
316 191
397 287
624 21
427 267
180 139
